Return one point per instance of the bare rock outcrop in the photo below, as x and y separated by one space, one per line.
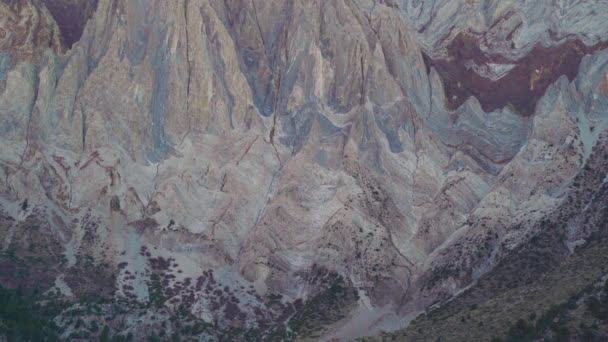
245 161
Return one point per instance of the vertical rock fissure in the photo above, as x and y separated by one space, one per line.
161 60
257 22
154 182
370 20
276 175
368 17
188 74
27 139
69 178
186 2
31 115
277 91
84 127
362 99
274 118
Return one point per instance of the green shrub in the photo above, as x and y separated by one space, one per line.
22 319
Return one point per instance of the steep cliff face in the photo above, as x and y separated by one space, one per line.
334 167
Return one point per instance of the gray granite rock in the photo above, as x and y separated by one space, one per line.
267 139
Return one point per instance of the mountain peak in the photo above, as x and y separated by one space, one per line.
258 170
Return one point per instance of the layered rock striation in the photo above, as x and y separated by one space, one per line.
252 159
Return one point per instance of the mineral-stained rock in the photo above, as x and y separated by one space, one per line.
241 164
467 72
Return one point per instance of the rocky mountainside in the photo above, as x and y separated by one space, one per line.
294 170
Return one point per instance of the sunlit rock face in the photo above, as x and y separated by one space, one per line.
274 149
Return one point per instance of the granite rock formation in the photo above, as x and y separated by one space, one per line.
300 169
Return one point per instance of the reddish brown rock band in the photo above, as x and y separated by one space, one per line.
521 87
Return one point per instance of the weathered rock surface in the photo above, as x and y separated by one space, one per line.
252 159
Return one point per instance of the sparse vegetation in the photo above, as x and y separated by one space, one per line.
22 318
529 310
157 297
325 308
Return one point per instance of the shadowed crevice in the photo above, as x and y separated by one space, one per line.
71 17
